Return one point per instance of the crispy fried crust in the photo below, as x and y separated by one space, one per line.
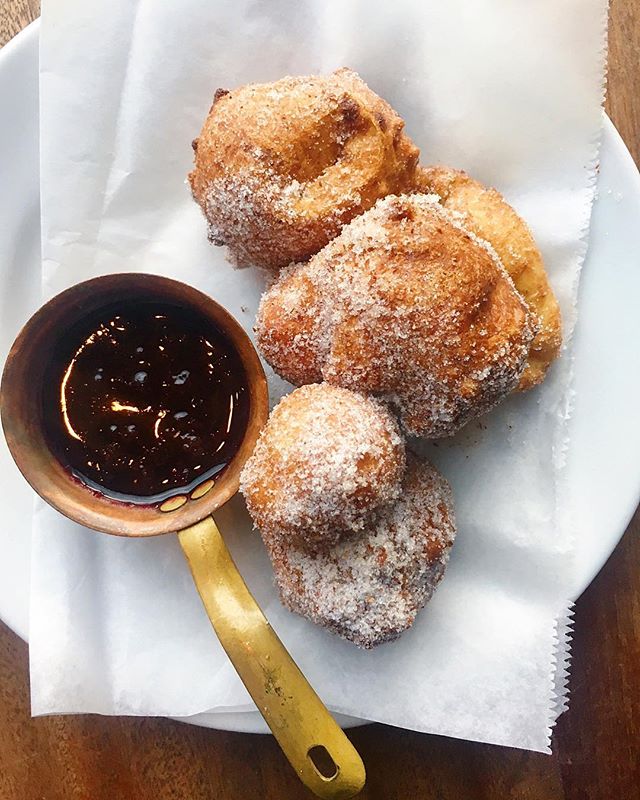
287 327
369 588
281 167
407 305
326 462
488 215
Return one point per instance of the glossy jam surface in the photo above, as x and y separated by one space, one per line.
144 401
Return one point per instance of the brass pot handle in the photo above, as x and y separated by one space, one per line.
322 756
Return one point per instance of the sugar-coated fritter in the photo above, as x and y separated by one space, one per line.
369 588
486 213
281 167
326 462
405 304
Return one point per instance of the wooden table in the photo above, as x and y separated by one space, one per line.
596 744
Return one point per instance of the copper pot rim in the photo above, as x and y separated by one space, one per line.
23 428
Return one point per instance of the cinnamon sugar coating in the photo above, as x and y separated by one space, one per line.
326 462
405 304
486 213
281 167
369 588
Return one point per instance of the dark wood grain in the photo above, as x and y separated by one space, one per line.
596 745
623 101
598 741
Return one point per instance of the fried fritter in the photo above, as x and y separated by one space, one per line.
326 462
369 588
408 305
486 213
281 167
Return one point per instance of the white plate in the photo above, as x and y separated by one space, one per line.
604 458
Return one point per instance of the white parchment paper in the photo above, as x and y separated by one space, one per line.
511 92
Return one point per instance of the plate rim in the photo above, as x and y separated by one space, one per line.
621 153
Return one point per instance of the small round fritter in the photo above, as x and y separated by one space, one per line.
486 213
327 460
407 305
369 588
281 167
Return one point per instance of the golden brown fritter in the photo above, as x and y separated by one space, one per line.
326 462
407 305
281 167
486 213
288 327
369 588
